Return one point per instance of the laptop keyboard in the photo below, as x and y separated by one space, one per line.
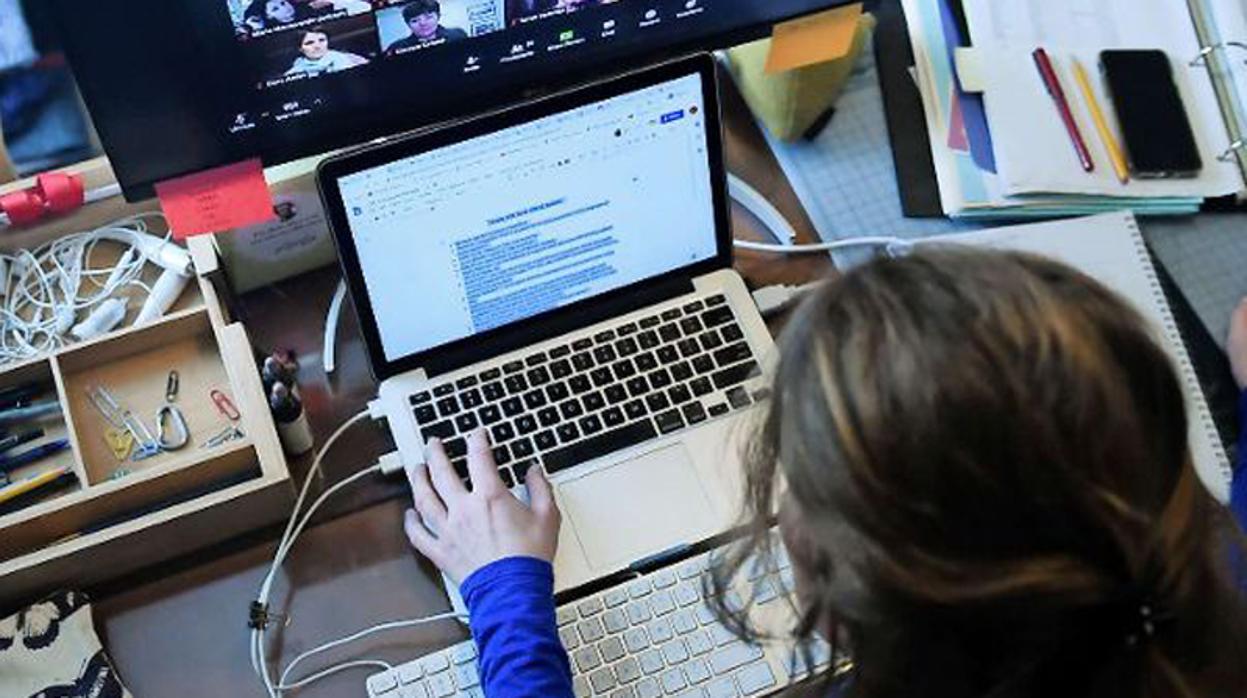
598 394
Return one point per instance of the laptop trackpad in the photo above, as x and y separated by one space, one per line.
637 508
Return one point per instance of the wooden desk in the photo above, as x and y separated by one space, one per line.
181 630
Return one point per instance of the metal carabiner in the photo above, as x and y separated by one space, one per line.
170 418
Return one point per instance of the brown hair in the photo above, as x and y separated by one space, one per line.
984 458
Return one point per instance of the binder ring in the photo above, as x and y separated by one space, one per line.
1206 51
1231 152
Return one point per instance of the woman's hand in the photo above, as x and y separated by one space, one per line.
469 530
1238 344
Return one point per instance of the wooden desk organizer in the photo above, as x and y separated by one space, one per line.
113 523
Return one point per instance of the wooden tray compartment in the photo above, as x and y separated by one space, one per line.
40 372
169 505
135 369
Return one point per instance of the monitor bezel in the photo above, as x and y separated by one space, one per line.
479 347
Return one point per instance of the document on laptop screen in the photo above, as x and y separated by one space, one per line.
501 228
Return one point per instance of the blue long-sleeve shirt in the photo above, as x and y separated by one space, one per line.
511 603
513 619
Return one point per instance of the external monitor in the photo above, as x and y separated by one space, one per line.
181 86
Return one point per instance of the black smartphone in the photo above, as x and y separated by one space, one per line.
1159 140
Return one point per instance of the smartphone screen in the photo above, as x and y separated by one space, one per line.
1159 140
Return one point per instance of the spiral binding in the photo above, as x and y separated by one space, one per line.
1198 405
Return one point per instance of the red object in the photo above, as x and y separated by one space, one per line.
1053 83
225 405
234 196
54 193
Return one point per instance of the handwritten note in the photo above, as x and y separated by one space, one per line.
217 200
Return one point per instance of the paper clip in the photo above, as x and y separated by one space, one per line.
225 406
171 386
146 445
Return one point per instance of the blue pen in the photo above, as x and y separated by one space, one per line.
38 453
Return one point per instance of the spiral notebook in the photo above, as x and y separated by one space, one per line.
1111 248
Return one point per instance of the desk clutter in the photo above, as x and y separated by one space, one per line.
127 434
280 372
1039 109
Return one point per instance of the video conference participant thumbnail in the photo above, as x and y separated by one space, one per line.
314 51
424 23
259 17
316 58
519 11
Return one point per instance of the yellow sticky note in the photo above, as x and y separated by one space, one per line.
818 38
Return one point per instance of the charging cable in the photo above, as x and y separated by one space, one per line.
781 229
261 618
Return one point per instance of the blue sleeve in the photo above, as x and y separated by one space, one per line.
1238 494
511 604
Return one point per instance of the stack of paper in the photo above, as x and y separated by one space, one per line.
999 146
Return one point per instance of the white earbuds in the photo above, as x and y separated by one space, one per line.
55 291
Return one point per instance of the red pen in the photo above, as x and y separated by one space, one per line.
1053 83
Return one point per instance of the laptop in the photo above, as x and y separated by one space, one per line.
561 273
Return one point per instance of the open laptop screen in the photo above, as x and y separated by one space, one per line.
502 227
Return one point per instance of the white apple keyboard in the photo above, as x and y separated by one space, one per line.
649 637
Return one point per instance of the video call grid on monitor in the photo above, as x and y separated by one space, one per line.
228 80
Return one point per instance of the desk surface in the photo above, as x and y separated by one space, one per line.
180 631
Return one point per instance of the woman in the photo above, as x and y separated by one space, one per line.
267 14
316 58
982 473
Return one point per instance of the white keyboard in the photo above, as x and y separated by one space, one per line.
650 637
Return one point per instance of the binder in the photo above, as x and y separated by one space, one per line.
1224 58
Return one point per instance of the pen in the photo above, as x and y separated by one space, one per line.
1101 124
21 394
9 443
1053 83
29 413
38 453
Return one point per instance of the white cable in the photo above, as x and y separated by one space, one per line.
892 245
258 660
334 670
299 520
369 632
782 230
44 291
330 352
773 300
752 201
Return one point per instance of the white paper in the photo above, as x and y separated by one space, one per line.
1034 152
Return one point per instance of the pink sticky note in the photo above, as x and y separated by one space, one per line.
958 139
217 200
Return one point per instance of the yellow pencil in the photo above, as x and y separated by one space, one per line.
1101 124
33 483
